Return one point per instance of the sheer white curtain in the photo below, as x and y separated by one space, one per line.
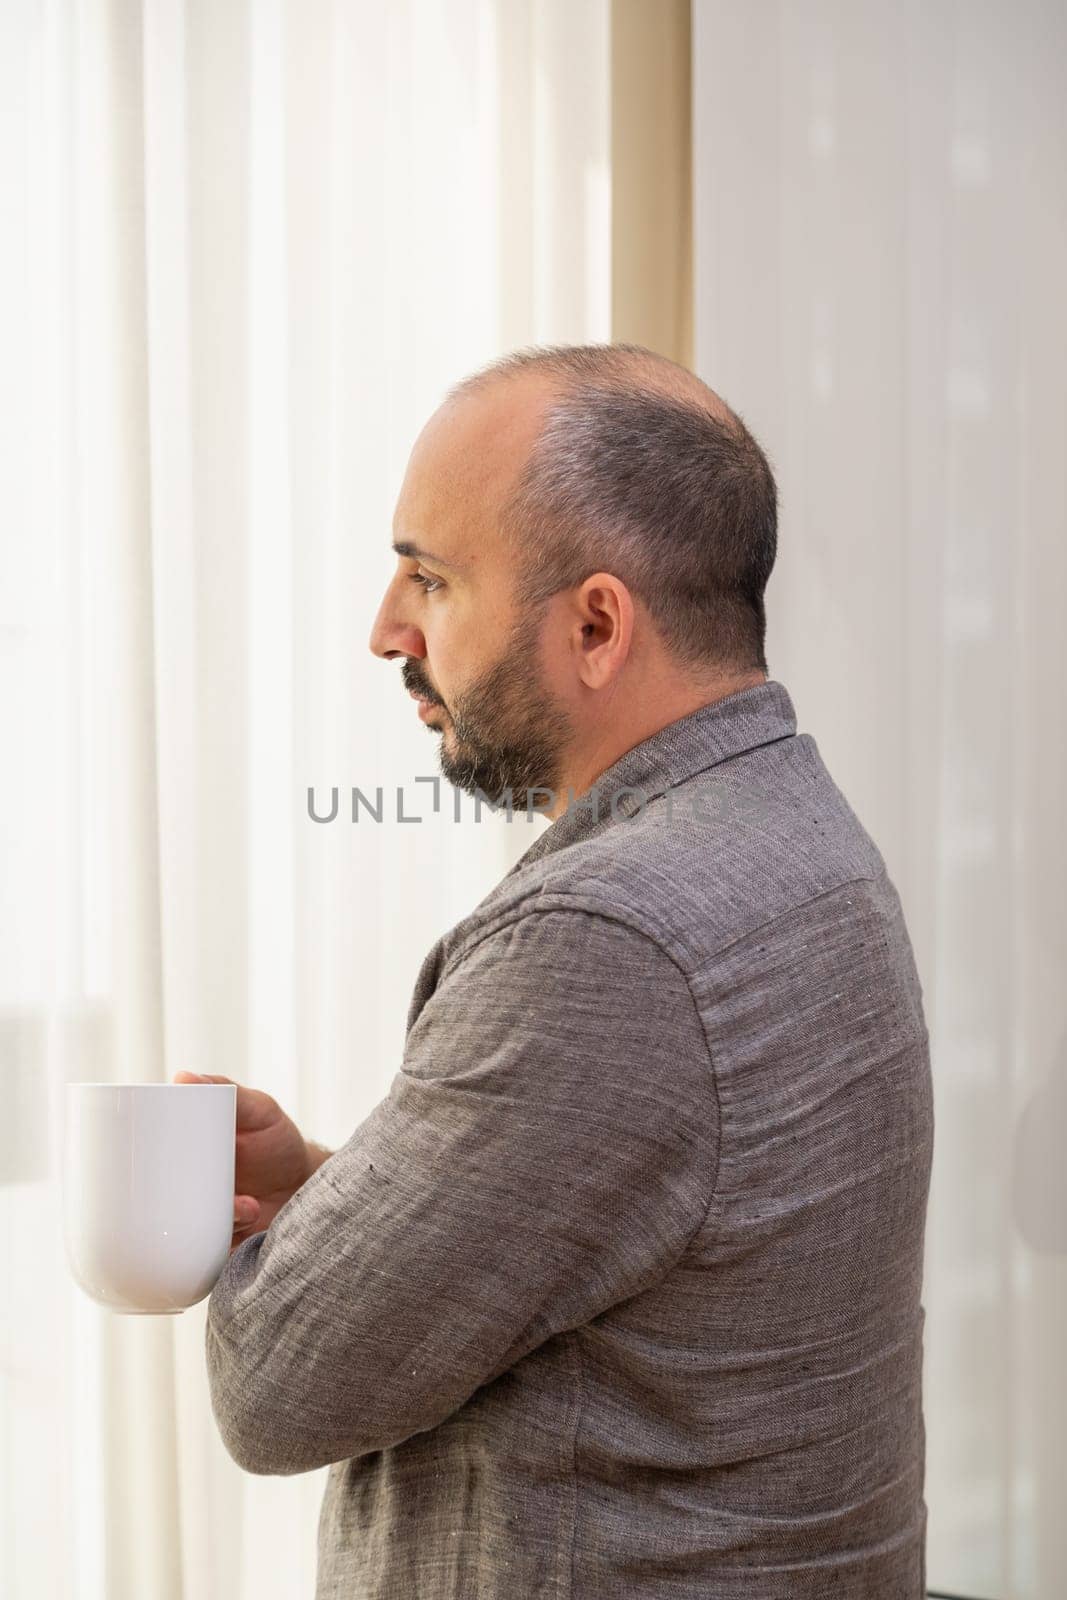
247 246
880 258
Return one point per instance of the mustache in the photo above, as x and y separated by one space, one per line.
414 685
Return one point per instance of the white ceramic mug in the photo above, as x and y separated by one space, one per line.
148 1187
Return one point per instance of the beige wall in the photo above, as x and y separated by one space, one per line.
651 243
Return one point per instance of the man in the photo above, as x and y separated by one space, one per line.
617 1292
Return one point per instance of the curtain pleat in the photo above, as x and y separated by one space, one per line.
255 244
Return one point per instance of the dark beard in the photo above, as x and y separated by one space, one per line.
508 734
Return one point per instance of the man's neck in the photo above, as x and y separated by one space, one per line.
613 740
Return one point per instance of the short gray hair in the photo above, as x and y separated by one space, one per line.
634 475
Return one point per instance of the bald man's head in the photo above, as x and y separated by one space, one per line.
565 366
632 465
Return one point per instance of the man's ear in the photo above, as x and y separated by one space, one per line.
607 629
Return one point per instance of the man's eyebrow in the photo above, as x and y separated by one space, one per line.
404 547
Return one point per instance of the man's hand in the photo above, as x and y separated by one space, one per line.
272 1158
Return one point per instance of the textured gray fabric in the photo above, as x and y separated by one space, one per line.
617 1292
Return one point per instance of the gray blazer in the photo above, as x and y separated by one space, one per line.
616 1293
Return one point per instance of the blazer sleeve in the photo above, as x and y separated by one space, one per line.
547 1149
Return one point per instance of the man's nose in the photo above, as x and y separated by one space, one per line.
393 635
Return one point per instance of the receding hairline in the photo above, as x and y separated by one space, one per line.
610 365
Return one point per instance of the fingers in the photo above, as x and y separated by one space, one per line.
255 1108
245 1220
245 1210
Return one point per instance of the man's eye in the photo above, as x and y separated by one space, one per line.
430 585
